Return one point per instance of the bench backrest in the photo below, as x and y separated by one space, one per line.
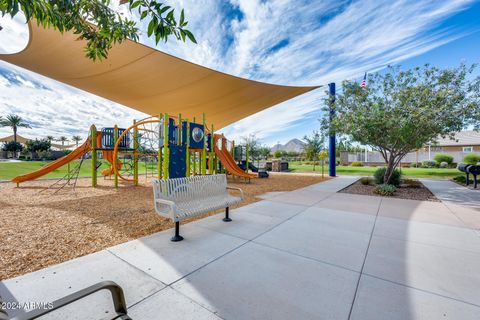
190 188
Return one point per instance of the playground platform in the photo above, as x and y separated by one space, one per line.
307 254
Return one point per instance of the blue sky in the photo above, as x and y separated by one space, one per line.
288 42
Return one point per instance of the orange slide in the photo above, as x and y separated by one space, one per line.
227 160
75 154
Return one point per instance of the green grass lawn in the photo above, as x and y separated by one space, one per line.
368 171
9 170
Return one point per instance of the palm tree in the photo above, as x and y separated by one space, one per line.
63 139
77 139
13 121
50 138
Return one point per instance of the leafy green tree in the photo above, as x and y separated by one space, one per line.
314 145
264 152
278 154
253 146
76 139
13 121
12 146
97 23
63 139
322 156
38 145
400 111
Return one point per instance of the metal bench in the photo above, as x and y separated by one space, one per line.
117 297
183 198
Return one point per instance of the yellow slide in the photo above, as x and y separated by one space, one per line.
75 154
228 162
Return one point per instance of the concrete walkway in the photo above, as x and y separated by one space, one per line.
462 201
307 254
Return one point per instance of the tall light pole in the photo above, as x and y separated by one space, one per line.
332 160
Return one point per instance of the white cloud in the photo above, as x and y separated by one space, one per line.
284 41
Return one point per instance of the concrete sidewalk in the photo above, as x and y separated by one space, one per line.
462 201
307 254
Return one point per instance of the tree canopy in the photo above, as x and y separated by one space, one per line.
96 22
314 145
401 110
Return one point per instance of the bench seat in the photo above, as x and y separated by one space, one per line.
183 198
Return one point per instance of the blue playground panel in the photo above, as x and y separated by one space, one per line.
177 165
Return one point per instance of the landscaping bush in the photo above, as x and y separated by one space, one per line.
460 179
357 164
471 158
443 165
440 157
415 165
429 164
12 146
385 189
365 181
380 173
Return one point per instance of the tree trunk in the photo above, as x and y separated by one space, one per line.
389 171
15 140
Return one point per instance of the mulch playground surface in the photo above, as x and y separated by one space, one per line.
39 228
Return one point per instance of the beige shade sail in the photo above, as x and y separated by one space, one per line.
148 80
20 139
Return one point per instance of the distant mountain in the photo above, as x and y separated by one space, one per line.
294 145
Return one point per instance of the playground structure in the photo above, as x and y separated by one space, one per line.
170 147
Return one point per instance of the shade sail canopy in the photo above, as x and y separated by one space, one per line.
148 80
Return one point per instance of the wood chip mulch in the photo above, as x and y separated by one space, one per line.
411 192
39 227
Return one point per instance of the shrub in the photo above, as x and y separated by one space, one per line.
429 164
441 157
460 179
12 146
380 173
471 158
385 189
38 145
365 181
443 165
415 165
357 164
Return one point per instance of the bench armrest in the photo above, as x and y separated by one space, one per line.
115 290
170 204
237 189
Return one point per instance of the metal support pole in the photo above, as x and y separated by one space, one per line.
246 158
165 146
227 216
93 134
179 130
204 151
177 237
159 151
211 166
187 149
115 138
135 154
332 159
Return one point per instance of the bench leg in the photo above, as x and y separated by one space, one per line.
177 237
227 218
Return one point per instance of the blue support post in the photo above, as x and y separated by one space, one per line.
332 160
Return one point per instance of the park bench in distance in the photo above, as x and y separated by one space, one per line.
183 198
